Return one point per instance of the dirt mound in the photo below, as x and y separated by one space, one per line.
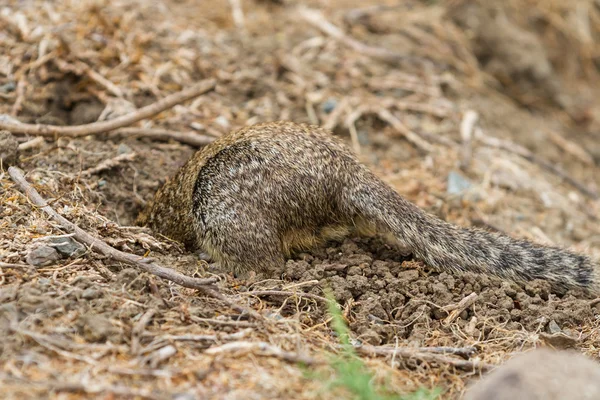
392 299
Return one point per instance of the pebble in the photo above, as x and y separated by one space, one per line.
42 256
553 327
123 149
329 105
67 246
457 183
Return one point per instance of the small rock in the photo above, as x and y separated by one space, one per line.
9 119
90 294
67 246
8 87
457 183
42 256
409 275
329 105
559 340
553 327
9 149
123 149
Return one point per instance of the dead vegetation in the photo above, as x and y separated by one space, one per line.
494 127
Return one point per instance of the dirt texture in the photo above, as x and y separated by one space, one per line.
76 324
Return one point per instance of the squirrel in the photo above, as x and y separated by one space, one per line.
256 195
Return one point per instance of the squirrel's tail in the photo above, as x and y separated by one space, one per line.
448 247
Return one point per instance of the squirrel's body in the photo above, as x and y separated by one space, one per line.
255 195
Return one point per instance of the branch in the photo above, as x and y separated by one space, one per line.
190 138
420 354
125 120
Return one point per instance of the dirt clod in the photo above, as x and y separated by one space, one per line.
41 256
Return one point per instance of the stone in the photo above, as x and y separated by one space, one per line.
67 246
457 184
541 374
42 256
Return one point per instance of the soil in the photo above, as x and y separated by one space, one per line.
89 326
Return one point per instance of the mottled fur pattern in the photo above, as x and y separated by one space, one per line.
256 195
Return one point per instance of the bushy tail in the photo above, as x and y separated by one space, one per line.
451 248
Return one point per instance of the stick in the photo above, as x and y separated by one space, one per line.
237 14
412 137
30 144
264 349
125 120
572 148
191 138
529 156
142 263
456 309
110 163
408 353
317 19
80 68
284 293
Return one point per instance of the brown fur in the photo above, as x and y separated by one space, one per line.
257 194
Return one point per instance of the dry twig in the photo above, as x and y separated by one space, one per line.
285 293
263 348
30 144
190 138
430 357
456 309
412 137
110 163
571 148
105 126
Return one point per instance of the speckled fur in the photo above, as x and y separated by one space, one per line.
257 194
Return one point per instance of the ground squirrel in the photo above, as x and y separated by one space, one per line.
255 195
